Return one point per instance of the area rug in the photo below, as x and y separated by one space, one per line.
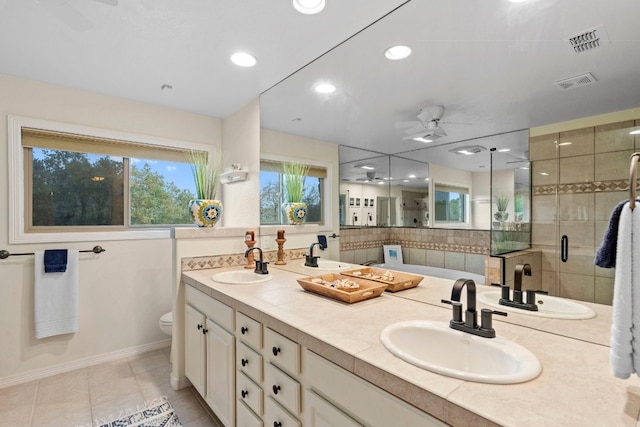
157 413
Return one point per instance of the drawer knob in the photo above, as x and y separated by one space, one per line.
244 330
204 331
244 393
244 362
277 424
276 389
275 350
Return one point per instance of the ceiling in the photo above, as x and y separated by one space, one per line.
132 49
491 64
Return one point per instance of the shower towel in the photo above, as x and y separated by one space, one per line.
55 261
56 297
606 254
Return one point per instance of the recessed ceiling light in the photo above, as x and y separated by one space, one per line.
635 132
243 59
325 88
396 53
380 182
412 176
544 174
308 7
405 180
504 150
422 139
563 143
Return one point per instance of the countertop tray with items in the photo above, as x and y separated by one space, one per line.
343 288
395 280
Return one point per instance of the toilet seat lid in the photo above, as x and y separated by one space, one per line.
167 317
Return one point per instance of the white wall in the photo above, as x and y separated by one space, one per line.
123 291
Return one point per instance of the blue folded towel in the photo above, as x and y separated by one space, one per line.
55 261
606 254
322 239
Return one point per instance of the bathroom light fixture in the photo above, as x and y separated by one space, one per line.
422 139
308 7
325 88
243 59
468 151
398 52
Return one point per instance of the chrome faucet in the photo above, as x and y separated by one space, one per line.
310 260
470 322
530 304
261 266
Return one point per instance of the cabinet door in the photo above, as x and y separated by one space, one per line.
320 413
221 373
194 364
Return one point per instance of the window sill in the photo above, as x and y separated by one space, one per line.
91 236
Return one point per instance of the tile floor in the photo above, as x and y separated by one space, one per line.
78 397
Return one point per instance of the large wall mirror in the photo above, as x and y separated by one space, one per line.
473 87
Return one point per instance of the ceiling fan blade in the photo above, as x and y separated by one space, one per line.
455 123
416 129
399 125
110 2
66 13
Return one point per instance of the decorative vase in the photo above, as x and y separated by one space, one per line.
519 216
294 212
205 213
501 216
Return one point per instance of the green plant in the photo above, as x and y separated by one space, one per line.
206 173
502 202
518 202
294 176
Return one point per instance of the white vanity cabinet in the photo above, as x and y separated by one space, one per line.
249 371
337 398
210 352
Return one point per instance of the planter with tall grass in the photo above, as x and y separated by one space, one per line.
294 175
502 202
205 210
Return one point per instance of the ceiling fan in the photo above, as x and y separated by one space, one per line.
427 127
63 11
370 176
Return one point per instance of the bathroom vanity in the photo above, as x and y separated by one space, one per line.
286 357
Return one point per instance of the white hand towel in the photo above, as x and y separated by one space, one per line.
635 287
621 350
56 298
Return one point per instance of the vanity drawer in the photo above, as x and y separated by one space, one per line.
249 331
249 392
282 351
275 415
220 313
246 418
249 362
282 388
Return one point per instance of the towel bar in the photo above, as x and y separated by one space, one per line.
633 175
5 254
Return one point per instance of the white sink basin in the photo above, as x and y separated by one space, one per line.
548 306
242 277
326 264
438 348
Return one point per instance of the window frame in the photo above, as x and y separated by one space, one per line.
326 190
449 187
19 231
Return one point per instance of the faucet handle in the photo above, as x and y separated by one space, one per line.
486 321
456 307
531 295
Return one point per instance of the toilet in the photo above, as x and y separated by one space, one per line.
166 323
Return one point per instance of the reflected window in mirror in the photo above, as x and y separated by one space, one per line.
451 204
273 193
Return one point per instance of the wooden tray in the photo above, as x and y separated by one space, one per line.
367 289
399 280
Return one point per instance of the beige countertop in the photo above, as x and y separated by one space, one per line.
576 386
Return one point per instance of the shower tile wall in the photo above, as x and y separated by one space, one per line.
574 194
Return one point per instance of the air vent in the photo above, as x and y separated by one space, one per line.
577 81
589 39
473 149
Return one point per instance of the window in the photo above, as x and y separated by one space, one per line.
272 193
76 180
451 203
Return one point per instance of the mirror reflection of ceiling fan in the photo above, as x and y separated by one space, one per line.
64 12
371 176
427 128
